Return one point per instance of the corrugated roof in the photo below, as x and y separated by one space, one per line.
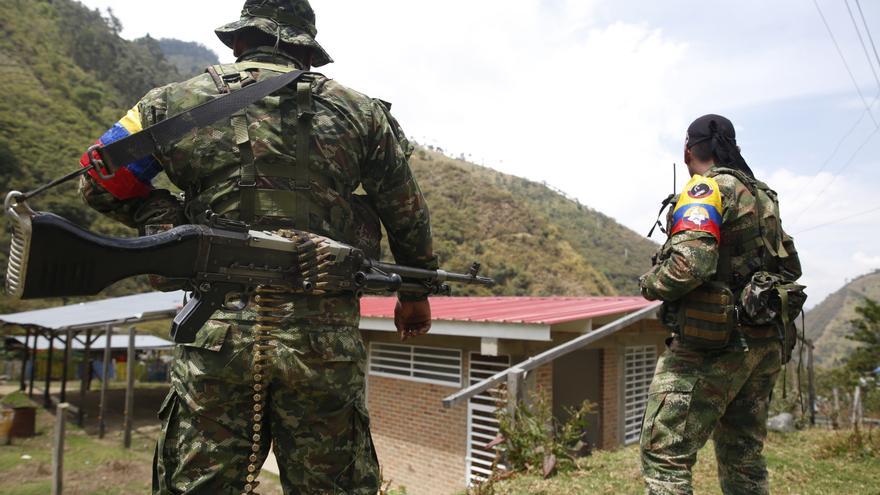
142 342
524 310
137 307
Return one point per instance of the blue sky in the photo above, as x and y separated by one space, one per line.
589 95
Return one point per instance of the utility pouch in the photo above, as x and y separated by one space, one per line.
769 298
707 316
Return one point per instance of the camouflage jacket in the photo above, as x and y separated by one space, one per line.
354 142
709 214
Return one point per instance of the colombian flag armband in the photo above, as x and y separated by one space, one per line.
699 207
134 180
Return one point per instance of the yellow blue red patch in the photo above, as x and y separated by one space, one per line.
699 207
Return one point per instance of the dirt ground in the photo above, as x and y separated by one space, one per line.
146 408
92 466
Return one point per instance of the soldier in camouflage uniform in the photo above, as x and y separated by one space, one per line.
274 366
716 377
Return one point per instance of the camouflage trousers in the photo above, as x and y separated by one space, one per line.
700 394
233 392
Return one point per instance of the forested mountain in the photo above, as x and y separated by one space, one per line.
68 76
827 324
190 58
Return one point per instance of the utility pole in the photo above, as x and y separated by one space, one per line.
812 383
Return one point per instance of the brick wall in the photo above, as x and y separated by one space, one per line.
610 402
421 445
544 380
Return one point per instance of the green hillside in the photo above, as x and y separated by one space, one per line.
65 86
828 322
67 77
533 240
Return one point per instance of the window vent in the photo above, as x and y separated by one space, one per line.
423 364
639 364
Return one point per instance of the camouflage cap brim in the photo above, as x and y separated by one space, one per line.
288 34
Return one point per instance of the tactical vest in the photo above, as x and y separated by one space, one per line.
260 166
709 315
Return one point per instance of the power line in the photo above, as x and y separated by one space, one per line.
862 42
867 110
834 152
837 220
839 171
868 31
845 63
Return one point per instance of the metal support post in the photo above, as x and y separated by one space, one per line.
47 402
129 389
24 361
67 344
33 364
102 407
86 363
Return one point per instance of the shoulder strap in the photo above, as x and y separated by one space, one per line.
149 140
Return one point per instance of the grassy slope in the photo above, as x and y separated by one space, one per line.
532 239
795 461
828 322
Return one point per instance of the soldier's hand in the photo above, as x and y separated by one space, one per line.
412 318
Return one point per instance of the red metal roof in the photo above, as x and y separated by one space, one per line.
529 310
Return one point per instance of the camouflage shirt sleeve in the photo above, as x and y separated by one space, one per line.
690 257
388 180
791 264
129 197
690 260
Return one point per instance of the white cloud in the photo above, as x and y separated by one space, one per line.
867 262
834 246
569 93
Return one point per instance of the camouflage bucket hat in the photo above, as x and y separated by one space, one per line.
293 21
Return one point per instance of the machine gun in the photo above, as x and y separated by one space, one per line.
52 257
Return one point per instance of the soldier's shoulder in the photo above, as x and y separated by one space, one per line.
729 185
198 84
342 94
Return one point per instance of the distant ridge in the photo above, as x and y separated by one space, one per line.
827 323
190 58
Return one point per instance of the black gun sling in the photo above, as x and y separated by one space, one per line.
149 140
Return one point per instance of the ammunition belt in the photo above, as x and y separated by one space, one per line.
268 303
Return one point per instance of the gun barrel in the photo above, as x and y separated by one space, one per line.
408 272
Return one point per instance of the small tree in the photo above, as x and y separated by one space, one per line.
535 441
866 331
859 366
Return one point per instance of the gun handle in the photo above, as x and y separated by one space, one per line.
197 311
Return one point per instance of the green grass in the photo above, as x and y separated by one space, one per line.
17 399
799 463
91 466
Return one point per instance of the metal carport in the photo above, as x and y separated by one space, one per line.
79 326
